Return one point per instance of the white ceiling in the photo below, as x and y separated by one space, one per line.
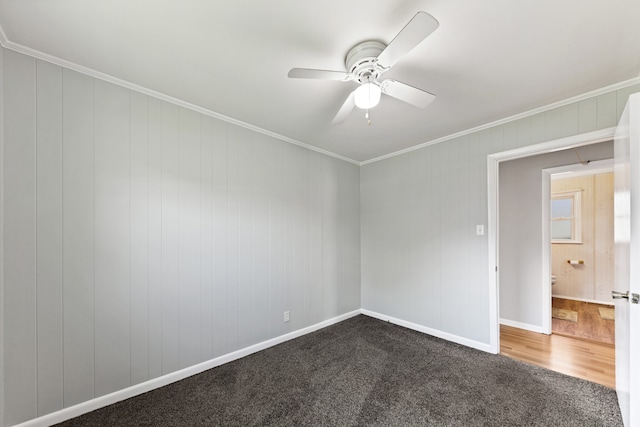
488 59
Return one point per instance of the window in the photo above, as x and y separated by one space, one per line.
565 217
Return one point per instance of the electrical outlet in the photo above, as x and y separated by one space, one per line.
286 316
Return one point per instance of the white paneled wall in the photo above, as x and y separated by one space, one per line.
141 237
421 260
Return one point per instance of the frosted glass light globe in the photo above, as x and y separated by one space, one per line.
367 96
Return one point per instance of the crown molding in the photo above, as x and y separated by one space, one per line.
562 103
16 47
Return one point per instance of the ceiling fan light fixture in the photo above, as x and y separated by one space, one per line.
368 60
367 96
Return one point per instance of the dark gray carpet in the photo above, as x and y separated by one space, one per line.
365 372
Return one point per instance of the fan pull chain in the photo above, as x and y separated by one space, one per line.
366 116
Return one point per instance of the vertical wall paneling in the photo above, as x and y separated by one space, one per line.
272 288
538 122
19 240
479 149
606 115
315 277
305 285
154 244
373 180
139 236
78 237
622 95
349 237
525 128
112 239
49 232
510 134
206 239
408 195
553 125
571 119
416 193
448 196
244 177
311 246
604 244
283 186
292 227
170 213
221 341
190 240
299 247
497 139
262 223
588 113
454 211
328 203
233 236
430 237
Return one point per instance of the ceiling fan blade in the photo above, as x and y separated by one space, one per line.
307 73
418 29
345 110
406 93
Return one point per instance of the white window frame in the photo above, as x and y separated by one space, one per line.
576 228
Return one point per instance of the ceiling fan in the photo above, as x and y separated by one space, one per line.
368 61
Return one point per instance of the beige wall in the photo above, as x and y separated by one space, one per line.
592 281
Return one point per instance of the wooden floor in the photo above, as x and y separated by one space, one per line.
576 357
590 324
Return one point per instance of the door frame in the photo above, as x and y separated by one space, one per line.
493 161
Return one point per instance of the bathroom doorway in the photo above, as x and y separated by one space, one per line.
524 259
581 249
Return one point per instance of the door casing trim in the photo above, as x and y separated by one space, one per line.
493 161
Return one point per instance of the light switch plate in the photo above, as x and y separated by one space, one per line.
479 230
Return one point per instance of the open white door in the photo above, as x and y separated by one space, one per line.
627 256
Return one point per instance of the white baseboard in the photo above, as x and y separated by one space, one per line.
520 325
117 396
434 332
584 300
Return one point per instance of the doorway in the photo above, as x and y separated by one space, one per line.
523 307
581 248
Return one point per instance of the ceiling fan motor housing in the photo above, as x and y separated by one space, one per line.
362 61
